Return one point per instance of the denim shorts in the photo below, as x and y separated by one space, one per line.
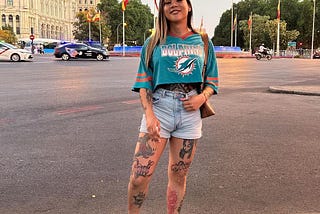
175 121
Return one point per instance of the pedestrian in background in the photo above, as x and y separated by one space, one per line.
168 81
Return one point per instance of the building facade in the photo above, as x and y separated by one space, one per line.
51 19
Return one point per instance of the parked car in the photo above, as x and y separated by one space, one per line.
316 55
12 53
80 50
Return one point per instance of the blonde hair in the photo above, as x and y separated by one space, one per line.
161 31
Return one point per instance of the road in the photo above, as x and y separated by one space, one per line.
68 130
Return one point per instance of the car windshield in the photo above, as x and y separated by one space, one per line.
10 46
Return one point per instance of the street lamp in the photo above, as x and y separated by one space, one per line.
124 24
314 14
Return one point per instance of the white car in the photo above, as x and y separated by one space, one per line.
12 53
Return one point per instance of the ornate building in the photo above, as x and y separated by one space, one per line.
51 19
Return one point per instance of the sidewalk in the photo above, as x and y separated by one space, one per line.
311 88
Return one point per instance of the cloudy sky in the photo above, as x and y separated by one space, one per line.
210 10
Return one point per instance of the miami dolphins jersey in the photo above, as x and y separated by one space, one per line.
177 61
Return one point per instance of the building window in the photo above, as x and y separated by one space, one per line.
18 24
10 2
80 2
10 20
3 18
91 2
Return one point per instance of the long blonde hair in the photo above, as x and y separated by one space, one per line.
162 28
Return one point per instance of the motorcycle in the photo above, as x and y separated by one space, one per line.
260 55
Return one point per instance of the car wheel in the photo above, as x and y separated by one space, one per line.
65 57
15 57
269 57
99 57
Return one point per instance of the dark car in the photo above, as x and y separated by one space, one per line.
79 50
316 55
95 45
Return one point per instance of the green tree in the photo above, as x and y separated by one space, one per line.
81 27
138 18
290 13
285 36
259 31
7 35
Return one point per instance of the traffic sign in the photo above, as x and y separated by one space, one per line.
31 37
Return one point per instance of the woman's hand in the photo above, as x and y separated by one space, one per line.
193 103
153 127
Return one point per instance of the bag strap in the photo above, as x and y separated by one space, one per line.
205 40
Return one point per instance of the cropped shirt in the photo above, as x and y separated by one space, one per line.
177 61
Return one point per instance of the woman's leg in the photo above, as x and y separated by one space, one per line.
180 157
146 157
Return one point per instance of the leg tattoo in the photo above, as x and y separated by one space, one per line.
141 170
187 148
145 149
139 199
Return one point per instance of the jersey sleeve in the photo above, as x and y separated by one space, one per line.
144 74
211 75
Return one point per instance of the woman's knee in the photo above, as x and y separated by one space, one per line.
138 182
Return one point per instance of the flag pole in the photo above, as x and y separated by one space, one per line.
235 31
231 42
123 35
250 34
100 33
89 30
312 39
278 34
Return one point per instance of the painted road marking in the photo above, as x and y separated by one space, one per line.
131 102
78 110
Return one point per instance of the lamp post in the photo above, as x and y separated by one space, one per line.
125 24
312 40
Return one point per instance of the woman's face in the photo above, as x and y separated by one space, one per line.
176 10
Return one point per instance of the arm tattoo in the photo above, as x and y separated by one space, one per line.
149 96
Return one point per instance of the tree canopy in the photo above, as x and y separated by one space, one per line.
296 23
7 35
138 21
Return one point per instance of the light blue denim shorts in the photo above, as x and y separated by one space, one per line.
175 121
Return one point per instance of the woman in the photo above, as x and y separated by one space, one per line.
168 81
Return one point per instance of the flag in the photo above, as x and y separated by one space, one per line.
249 22
278 12
124 4
89 17
96 17
234 23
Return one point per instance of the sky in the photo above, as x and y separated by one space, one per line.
210 10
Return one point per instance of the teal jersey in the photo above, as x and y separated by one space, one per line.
177 61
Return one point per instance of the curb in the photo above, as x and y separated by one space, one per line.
289 90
